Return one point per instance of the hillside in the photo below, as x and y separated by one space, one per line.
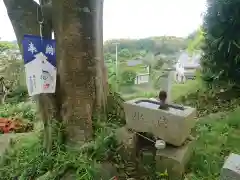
132 48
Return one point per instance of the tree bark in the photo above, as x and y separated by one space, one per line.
101 81
80 63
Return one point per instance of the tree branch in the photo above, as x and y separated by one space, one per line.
23 16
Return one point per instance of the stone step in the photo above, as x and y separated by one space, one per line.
231 168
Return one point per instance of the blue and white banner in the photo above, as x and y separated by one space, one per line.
32 45
40 64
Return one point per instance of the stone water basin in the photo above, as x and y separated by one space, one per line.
173 125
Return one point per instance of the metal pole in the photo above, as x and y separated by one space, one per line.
116 60
170 78
116 65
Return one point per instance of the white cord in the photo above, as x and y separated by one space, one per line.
142 136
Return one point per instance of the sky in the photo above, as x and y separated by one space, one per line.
137 18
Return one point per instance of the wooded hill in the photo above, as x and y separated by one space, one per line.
166 45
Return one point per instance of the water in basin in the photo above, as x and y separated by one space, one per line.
148 105
156 106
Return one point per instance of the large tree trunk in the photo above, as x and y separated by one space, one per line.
76 44
79 62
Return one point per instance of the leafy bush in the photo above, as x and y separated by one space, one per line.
125 53
19 94
196 41
208 101
22 110
221 59
128 77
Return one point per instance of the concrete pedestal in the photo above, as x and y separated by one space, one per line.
146 166
173 160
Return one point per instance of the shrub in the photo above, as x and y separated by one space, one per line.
128 77
221 59
19 94
22 110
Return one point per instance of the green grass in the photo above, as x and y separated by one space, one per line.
23 110
179 90
27 160
217 136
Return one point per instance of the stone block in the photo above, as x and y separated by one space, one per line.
231 168
148 157
173 125
127 140
146 167
174 160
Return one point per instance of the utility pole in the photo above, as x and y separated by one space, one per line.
116 64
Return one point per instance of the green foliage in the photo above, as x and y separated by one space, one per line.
12 69
196 42
221 60
218 136
154 52
22 110
208 101
10 169
109 58
160 63
140 47
4 46
127 77
27 160
155 79
18 94
181 91
125 53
